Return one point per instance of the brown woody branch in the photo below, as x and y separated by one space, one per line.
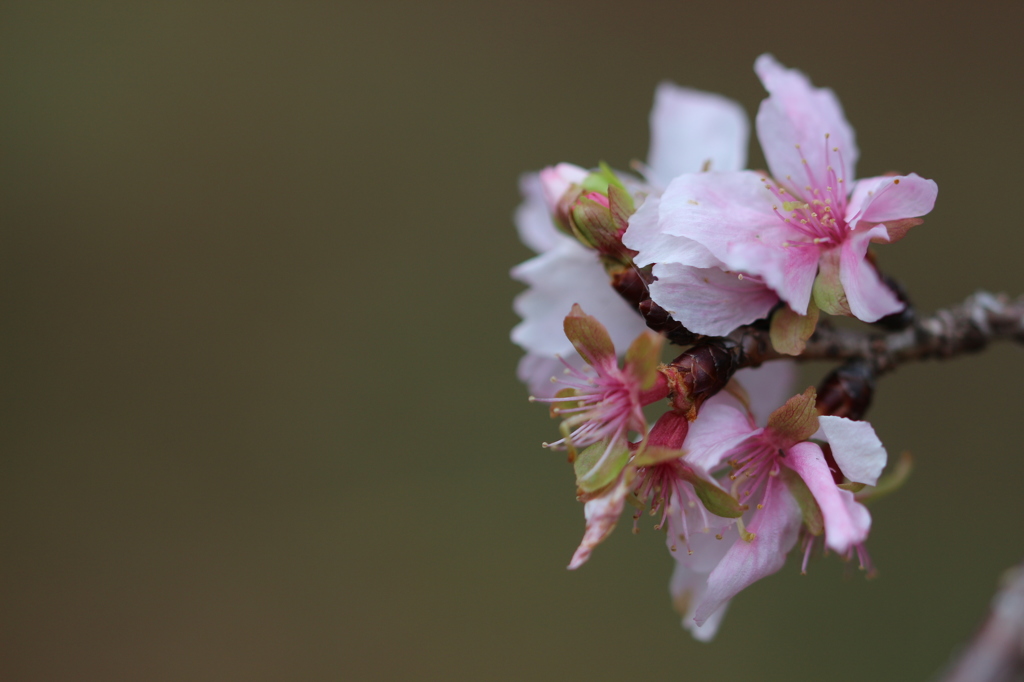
965 328
706 367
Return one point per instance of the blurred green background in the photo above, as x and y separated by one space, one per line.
260 420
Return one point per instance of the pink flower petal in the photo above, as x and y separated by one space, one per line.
868 297
723 423
847 522
776 527
533 217
690 578
855 447
653 245
880 199
556 181
602 514
732 215
790 271
690 128
721 209
797 113
709 300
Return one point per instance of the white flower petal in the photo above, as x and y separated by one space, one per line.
690 128
855 447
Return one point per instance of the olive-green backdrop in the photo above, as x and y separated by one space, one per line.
259 416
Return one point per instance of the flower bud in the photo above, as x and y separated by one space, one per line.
699 373
847 391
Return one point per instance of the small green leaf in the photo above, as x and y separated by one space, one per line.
809 508
621 206
714 499
852 486
889 482
601 179
643 358
588 336
598 465
828 291
789 330
797 420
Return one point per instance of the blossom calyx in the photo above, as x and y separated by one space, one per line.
796 421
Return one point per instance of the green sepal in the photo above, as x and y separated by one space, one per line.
588 336
643 358
593 224
789 330
621 206
890 482
898 229
564 209
601 179
714 499
809 508
852 486
797 420
828 291
656 454
598 465
553 410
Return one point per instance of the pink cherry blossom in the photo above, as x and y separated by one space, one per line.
689 129
565 272
769 467
808 229
605 402
758 392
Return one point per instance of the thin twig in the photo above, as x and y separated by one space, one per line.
996 654
965 328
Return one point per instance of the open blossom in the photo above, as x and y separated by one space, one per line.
689 129
689 501
602 410
786 480
605 402
801 233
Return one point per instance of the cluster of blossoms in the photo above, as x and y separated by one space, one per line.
706 255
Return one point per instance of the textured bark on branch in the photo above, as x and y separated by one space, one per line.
705 368
996 654
965 328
